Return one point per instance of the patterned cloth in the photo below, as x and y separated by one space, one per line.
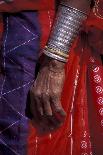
82 94
19 55
82 98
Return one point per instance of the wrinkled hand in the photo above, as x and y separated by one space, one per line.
48 113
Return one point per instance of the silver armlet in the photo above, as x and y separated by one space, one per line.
65 30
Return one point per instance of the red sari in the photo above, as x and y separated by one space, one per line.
82 97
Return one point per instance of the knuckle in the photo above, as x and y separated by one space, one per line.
55 94
37 94
57 106
55 99
45 95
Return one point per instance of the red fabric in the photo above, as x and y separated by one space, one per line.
82 99
46 20
18 5
82 96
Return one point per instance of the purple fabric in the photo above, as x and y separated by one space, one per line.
19 55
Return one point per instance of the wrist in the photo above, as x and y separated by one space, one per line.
53 65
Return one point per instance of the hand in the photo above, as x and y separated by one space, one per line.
48 113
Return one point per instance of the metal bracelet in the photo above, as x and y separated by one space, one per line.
54 56
57 52
66 28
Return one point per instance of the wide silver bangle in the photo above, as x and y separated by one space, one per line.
55 56
65 29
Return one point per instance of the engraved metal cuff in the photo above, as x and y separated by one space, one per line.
65 29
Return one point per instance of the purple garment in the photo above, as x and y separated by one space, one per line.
19 55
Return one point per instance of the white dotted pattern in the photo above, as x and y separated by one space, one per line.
99 90
97 79
100 100
83 144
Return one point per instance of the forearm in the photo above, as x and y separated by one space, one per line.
83 5
70 17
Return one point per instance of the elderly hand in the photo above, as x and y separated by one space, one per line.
48 113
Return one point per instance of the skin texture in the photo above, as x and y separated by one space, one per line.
48 113
45 96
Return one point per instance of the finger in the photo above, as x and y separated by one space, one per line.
36 95
49 125
57 108
39 105
33 107
36 92
38 120
44 128
46 105
53 122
